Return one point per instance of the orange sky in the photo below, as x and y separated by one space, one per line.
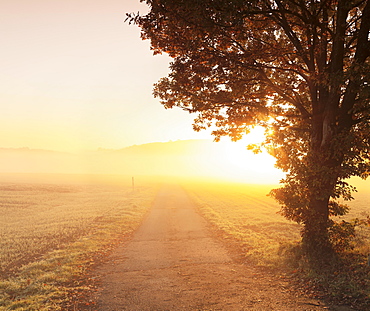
75 76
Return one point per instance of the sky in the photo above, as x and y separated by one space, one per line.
74 76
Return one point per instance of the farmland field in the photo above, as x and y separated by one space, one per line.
51 226
245 214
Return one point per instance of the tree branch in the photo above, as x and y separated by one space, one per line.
292 36
295 103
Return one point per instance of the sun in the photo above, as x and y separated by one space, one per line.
238 163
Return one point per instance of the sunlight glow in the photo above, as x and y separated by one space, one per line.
238 163
66 97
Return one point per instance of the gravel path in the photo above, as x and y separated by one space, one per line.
173 262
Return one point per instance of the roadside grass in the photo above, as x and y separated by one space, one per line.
248 217
51 233
245 213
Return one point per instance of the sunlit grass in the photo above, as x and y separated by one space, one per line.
51 233
246 214
53 229
249 219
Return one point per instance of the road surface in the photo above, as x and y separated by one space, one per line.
173 262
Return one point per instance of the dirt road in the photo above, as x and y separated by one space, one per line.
173 263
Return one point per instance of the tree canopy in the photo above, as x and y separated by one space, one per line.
299 68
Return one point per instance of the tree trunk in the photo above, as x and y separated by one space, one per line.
321 180
315 236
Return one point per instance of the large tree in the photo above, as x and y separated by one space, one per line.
299 68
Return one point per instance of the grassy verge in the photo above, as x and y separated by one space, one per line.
245 215
52 233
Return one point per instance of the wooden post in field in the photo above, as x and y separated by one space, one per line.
133 184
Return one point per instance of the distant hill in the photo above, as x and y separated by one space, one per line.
165 148
153 158
183 158
171 158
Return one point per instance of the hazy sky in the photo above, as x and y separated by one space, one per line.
75 76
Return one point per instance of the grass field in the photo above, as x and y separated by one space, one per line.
248 218
248 215
51 229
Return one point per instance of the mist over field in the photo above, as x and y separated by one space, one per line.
61 210
188 158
